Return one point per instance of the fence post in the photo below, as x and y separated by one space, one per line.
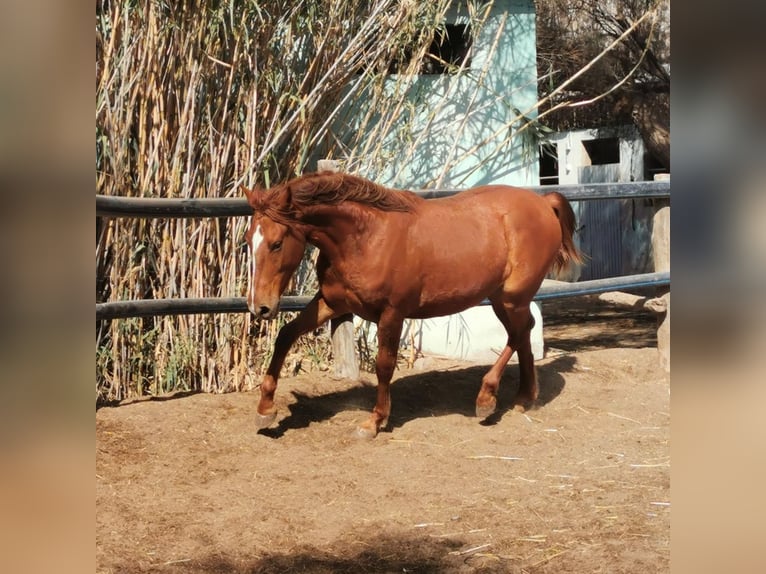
661 256
345 361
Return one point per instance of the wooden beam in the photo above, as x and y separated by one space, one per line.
345 361
661 255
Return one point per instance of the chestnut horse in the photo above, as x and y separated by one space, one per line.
387 255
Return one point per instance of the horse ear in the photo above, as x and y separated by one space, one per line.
252 195
284 197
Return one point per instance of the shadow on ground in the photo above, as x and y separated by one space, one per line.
153 398
385 553
587 323
428 394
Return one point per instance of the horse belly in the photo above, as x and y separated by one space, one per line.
445 294
444 307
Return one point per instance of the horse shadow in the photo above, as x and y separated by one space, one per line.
427 394
175 395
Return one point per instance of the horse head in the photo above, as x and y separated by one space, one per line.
276 249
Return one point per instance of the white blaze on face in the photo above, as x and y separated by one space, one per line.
255 241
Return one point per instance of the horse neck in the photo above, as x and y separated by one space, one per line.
332 228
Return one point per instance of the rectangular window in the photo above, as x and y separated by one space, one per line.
549 164
447 52
602 151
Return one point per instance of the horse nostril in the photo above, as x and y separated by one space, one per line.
263 310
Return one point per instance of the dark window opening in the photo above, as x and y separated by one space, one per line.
603 151
652 167
549 164
447 52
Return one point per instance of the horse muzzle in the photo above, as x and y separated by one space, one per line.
263 311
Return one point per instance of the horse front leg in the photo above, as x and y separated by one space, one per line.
313 315
389 333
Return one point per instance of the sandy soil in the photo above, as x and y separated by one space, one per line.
579 484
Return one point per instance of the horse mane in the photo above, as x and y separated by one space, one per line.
330 188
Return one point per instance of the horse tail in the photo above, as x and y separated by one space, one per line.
568 252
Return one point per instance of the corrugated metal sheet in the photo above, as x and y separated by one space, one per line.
600 235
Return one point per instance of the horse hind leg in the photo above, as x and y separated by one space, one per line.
518 323
486 400
528 387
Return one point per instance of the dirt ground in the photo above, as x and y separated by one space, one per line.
579 484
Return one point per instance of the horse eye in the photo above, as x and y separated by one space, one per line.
276 246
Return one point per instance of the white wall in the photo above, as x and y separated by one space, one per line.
473 335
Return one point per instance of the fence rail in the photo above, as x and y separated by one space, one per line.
555 290
110 206
152 207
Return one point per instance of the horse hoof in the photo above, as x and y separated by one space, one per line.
523 405
264 421
364 433
482 411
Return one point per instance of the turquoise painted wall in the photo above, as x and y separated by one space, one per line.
469 123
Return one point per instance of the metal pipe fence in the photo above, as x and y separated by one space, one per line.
110 206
